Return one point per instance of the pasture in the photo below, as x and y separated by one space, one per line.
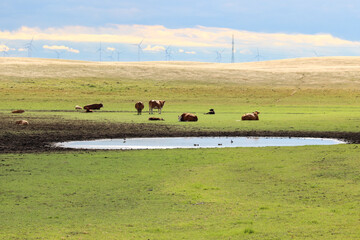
244 193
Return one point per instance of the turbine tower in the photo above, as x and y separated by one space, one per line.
258 56
233 50
219 56
168 53
100 50
140 51
118 54
29 46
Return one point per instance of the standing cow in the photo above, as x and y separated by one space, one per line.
157 104
139 107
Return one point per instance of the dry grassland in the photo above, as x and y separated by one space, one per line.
329 72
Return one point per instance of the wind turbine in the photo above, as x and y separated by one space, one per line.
258 56
140 51
29 46
219 56
100 51
168 53
57 54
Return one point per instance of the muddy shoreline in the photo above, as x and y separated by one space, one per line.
42 132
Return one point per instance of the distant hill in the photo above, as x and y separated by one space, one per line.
333 72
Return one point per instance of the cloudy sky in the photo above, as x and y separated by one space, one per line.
180 30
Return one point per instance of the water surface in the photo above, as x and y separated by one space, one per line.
195 142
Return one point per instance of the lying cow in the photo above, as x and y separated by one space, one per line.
157 104
188 117
251 116
211 111
139 107
90 107
18 111
155 119
22 122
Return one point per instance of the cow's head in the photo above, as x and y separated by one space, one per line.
179 117
257 112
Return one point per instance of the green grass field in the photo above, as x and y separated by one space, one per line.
308 192
243 193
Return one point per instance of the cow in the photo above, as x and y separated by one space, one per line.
211 111
77 107
251 116
22 122
155 119
157 104
18 111
188 117
88 108
139 107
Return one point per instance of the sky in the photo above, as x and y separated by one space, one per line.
179 30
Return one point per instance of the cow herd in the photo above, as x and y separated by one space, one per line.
159 104
153 104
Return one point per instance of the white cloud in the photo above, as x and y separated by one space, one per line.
192 52
154 48
188 41
22 49
56 47
182 37
186 52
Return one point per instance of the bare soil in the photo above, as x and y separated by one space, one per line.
43 131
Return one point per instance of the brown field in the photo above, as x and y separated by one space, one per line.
330 72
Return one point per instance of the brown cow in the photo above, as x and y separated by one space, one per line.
88 108
188 117
251 116
22 122
18 111
157 104
139 107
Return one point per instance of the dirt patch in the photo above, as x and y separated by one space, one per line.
42 131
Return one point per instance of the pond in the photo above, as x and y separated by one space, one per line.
195 142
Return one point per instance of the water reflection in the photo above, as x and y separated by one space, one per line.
195 142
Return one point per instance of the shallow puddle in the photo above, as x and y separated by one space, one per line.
195 142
